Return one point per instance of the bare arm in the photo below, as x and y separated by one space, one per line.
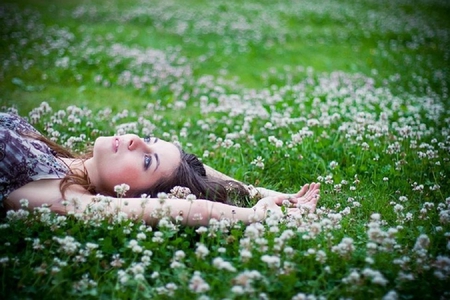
189 212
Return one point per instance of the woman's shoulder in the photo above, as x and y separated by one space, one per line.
10 117
15 122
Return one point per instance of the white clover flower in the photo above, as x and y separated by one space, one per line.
191 197
258 162
402 276
333 165
4 261
91 246
375 276
201 230
20 214
134 246
286 235
123 276
380 280
201 251
179 192
353 278
37 244
422 243
321 256
177 265
144 200
369 260
245 255
41 270
246 280
121 189
162 196
398 208
391 295
141 236
303 296
197 284
238 290
289 251
271 260
158 237
221 264
402 199
375 216
345 247
435 187
268 125
23 203
166 222
444 216
145 260
179 255
67 244
59 262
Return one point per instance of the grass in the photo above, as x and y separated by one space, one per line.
353 94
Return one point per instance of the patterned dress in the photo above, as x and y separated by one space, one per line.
24 159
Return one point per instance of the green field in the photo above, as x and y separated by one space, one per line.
352 94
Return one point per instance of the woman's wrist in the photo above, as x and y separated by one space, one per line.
248 215
254 192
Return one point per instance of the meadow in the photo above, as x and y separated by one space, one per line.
351 94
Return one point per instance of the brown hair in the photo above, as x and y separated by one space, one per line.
190 173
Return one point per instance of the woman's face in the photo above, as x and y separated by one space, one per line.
129 159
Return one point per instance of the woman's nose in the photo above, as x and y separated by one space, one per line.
134 142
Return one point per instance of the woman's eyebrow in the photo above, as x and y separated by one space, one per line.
156 140
157 161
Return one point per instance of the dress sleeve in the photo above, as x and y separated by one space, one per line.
24 159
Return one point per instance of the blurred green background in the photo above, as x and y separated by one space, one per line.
402 44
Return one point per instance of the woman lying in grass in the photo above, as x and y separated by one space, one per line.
34 168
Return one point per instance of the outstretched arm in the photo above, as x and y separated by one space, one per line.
198 212
189 212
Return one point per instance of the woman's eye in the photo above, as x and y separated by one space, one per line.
147 161
147 139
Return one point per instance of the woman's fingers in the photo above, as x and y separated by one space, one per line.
303 190
307 188
308 193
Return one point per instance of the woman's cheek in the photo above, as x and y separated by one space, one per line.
128 172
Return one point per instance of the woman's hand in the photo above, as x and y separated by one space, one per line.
304 200
308 194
